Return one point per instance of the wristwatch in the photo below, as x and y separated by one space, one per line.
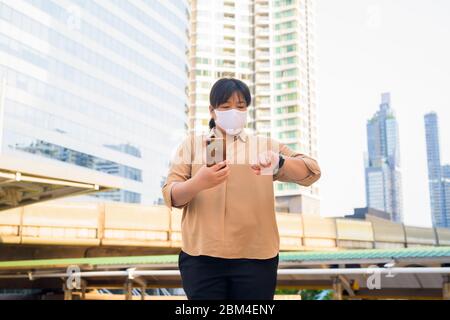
281 161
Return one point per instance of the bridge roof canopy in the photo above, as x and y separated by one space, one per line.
425 255
26 179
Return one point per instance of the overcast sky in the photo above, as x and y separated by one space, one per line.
364 48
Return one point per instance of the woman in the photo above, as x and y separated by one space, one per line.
230 239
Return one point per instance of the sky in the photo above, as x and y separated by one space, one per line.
365 48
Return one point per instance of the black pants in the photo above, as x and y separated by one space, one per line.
213 278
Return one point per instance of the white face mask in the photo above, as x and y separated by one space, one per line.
232 121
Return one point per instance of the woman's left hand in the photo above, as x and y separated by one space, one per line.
267 163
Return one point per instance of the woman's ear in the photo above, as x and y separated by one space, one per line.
211 112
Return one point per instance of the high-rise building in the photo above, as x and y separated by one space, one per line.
382 162
99 84
446 191
268 44
438 175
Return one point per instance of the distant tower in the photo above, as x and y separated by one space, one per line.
446 192
438 176
382 165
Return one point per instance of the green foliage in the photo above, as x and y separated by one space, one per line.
287 291
316 294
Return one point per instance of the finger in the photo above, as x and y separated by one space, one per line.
222 172
224 168
264 160
222 178
218 166
265 164
269 159
255 168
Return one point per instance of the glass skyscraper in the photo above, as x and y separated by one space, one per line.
438 176
382 167
99 84
446 190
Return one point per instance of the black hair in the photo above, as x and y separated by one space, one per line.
223 89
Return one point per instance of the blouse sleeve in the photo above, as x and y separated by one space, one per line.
293 175
179 171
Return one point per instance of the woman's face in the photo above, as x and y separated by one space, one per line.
236 101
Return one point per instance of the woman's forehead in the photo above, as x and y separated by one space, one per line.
236 96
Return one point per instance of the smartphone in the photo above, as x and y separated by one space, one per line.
215 150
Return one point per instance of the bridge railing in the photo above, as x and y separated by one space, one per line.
128 225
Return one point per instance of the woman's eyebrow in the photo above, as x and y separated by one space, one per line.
228 102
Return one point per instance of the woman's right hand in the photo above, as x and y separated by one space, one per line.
208 177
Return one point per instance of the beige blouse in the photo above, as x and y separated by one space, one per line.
235 219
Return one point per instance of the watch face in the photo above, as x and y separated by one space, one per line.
281 161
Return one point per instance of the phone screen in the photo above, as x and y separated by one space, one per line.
215 150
